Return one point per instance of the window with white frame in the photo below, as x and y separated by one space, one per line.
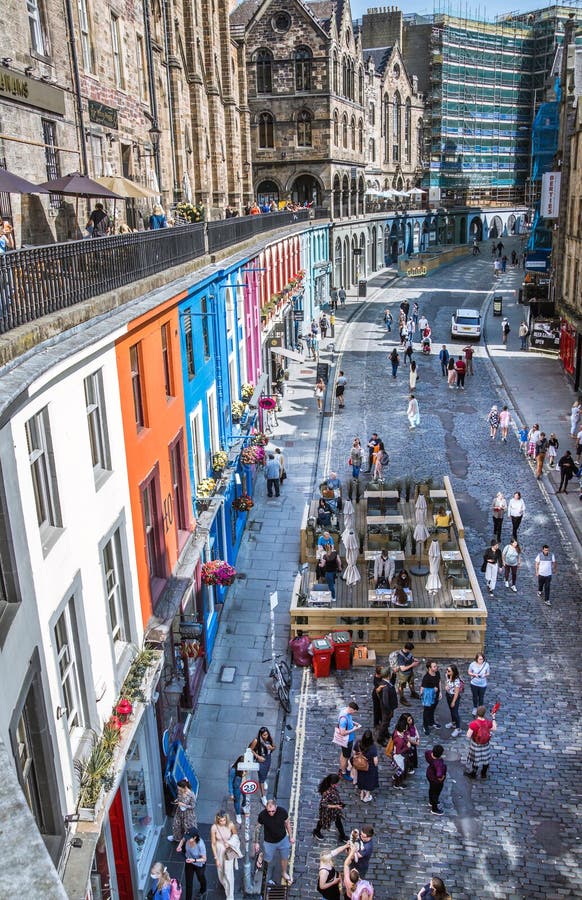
42 470
232 377
142 80
197 436
86 46
116 592
36 21
116 47
212 421
96 144
97 424
70 668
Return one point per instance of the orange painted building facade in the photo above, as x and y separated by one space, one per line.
152 407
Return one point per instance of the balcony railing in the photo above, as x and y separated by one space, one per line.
41 280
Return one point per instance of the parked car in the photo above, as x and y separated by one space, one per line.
466 323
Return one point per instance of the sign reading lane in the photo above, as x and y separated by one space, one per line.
249 787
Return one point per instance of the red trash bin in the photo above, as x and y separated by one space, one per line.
322 654
342 647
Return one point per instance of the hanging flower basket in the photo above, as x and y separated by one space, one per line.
217 571
243 503
267 403
247 390
238 410
260 439
206 488
219 461
248 456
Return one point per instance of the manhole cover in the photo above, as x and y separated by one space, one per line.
227 674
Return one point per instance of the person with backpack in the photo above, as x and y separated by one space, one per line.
388 704
365 765
394 360
345 730
505 329
405 666
453 690
162 884
436 773
479 735
430 694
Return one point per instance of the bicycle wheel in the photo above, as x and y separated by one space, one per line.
283 695
285 672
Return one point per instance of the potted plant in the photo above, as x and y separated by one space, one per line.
219 460
124 709
247 390
237 409
206 488
218 572
93 773
243 503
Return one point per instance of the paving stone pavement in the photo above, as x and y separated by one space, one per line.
514 835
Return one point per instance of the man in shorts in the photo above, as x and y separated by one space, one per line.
405 674
277 837
340 387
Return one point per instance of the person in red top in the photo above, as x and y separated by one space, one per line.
460 369
469 351
479 734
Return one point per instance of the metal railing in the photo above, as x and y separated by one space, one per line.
226 232
41 280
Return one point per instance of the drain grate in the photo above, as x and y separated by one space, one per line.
227 674
254 526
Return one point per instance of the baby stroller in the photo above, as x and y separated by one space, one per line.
426 345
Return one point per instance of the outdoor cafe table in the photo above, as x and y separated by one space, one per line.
382 595
463 597
382 495
384 520
438 495
451 556
392 554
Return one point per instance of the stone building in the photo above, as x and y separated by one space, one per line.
158 100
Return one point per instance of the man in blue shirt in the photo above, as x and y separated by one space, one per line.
444 359
363 856
272 474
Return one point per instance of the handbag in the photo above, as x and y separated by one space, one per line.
360 762
342 740
399 760
389 751
428 696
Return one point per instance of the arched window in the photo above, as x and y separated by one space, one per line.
360 136
336 128
372 114
372 151
264 63
352 80
385 127
396 105
407 128
266 140
345 131
345 76
303 66
361 87
335 74
304 122
353 132
419 141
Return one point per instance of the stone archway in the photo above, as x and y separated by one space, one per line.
511 224
476 228
306 189
267 191
337 197
496 227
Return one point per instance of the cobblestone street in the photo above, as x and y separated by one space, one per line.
515 835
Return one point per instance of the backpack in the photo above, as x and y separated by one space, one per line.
360 761
385 459
390 748
175 890
393 663
481 735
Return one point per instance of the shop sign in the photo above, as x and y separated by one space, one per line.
103 115
546 334
416 271
550 199
299 315
249 787
20 89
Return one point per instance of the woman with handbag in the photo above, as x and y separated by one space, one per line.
262 747
400 748
185 816
365 765
224 850
430 694
356 458
330 808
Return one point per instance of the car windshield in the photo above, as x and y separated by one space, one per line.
466 320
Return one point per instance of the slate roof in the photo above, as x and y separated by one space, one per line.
380 56
244 12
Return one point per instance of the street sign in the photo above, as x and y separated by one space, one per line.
249 787
299 315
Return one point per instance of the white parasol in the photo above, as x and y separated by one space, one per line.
349 540
420 534
433 582
349 515
352 573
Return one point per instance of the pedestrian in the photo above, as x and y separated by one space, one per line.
575 418
499 249
415 311
344 736
323 324
398 756
225 850
444 360
405 307
493 249
491 564
504 423
479 736
516 510
435 889
234 783
479 672
262 747
493 420
388 704
533 437
356 888
476 249
499 509
541 450
379 460
413 375
328 880
356 458
460 369
330 808
513 258
453 689
319 392
410 329
436 773
388 320
333 566
340 387
545 568
384 569
315 345
504 263
505 329
309 344
371 448
366 752
523 335
99 223
332 322
158 218
272 472
408 353
161 882
364 852
553 445
497 268
394 361
195 862
567 467
342 296
185 815
403 334
469 352
511 557
523 441
377 685
422 323
406 664
451 373
282 471
277 837
413 412
413 741
430 694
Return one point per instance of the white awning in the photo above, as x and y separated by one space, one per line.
261 385
288 354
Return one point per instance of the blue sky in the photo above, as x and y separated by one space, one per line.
472 10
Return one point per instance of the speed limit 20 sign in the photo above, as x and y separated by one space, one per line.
249 787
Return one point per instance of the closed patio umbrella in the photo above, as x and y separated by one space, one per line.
433 582
420 534
352 573
349 540
349 515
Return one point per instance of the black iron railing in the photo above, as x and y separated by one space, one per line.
43 280
226 232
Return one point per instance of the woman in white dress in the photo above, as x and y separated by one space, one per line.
413 412
225 848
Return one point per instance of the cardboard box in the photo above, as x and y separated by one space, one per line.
370 661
